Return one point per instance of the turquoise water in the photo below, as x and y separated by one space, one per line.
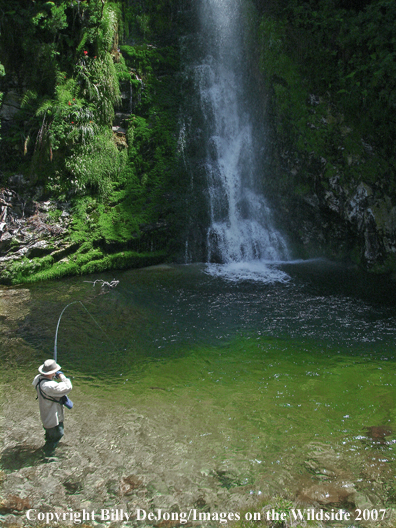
270 386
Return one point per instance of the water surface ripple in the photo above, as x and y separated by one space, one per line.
259 386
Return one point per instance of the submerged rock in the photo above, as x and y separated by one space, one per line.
327 494
379 433
14 303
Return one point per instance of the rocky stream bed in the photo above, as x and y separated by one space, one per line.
151 455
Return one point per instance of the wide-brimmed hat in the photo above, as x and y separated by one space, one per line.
50 366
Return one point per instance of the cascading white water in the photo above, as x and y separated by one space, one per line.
241 235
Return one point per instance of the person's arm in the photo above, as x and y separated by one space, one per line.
56 390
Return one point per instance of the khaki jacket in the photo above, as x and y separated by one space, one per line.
51 412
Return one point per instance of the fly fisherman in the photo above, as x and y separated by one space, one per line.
51 396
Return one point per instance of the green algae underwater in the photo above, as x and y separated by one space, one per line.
256 389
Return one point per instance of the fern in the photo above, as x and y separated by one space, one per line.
82 43
96 164
99 84
28 98
107 29
46 107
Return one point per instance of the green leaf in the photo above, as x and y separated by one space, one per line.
351 75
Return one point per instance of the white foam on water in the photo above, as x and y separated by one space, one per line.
256 270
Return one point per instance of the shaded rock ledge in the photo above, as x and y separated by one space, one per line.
31 228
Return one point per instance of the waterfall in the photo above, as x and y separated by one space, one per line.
242 240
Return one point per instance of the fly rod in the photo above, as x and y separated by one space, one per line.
59 320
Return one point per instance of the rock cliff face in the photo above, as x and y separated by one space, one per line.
10 106
369 214
340 216
355 222
330 103
31 228
332 190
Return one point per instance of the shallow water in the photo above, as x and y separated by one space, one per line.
261 387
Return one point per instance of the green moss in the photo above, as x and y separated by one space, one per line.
54 215
302 189
326 97
59 270
387 267
123 260
95 261
85 258
18 270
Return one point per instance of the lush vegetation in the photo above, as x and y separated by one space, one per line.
76 80
329 71
332 69
351 53
99 87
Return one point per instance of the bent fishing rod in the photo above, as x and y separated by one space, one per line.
59 320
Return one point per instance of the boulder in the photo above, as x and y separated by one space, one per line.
11 105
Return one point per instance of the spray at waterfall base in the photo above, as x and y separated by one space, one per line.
139 515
